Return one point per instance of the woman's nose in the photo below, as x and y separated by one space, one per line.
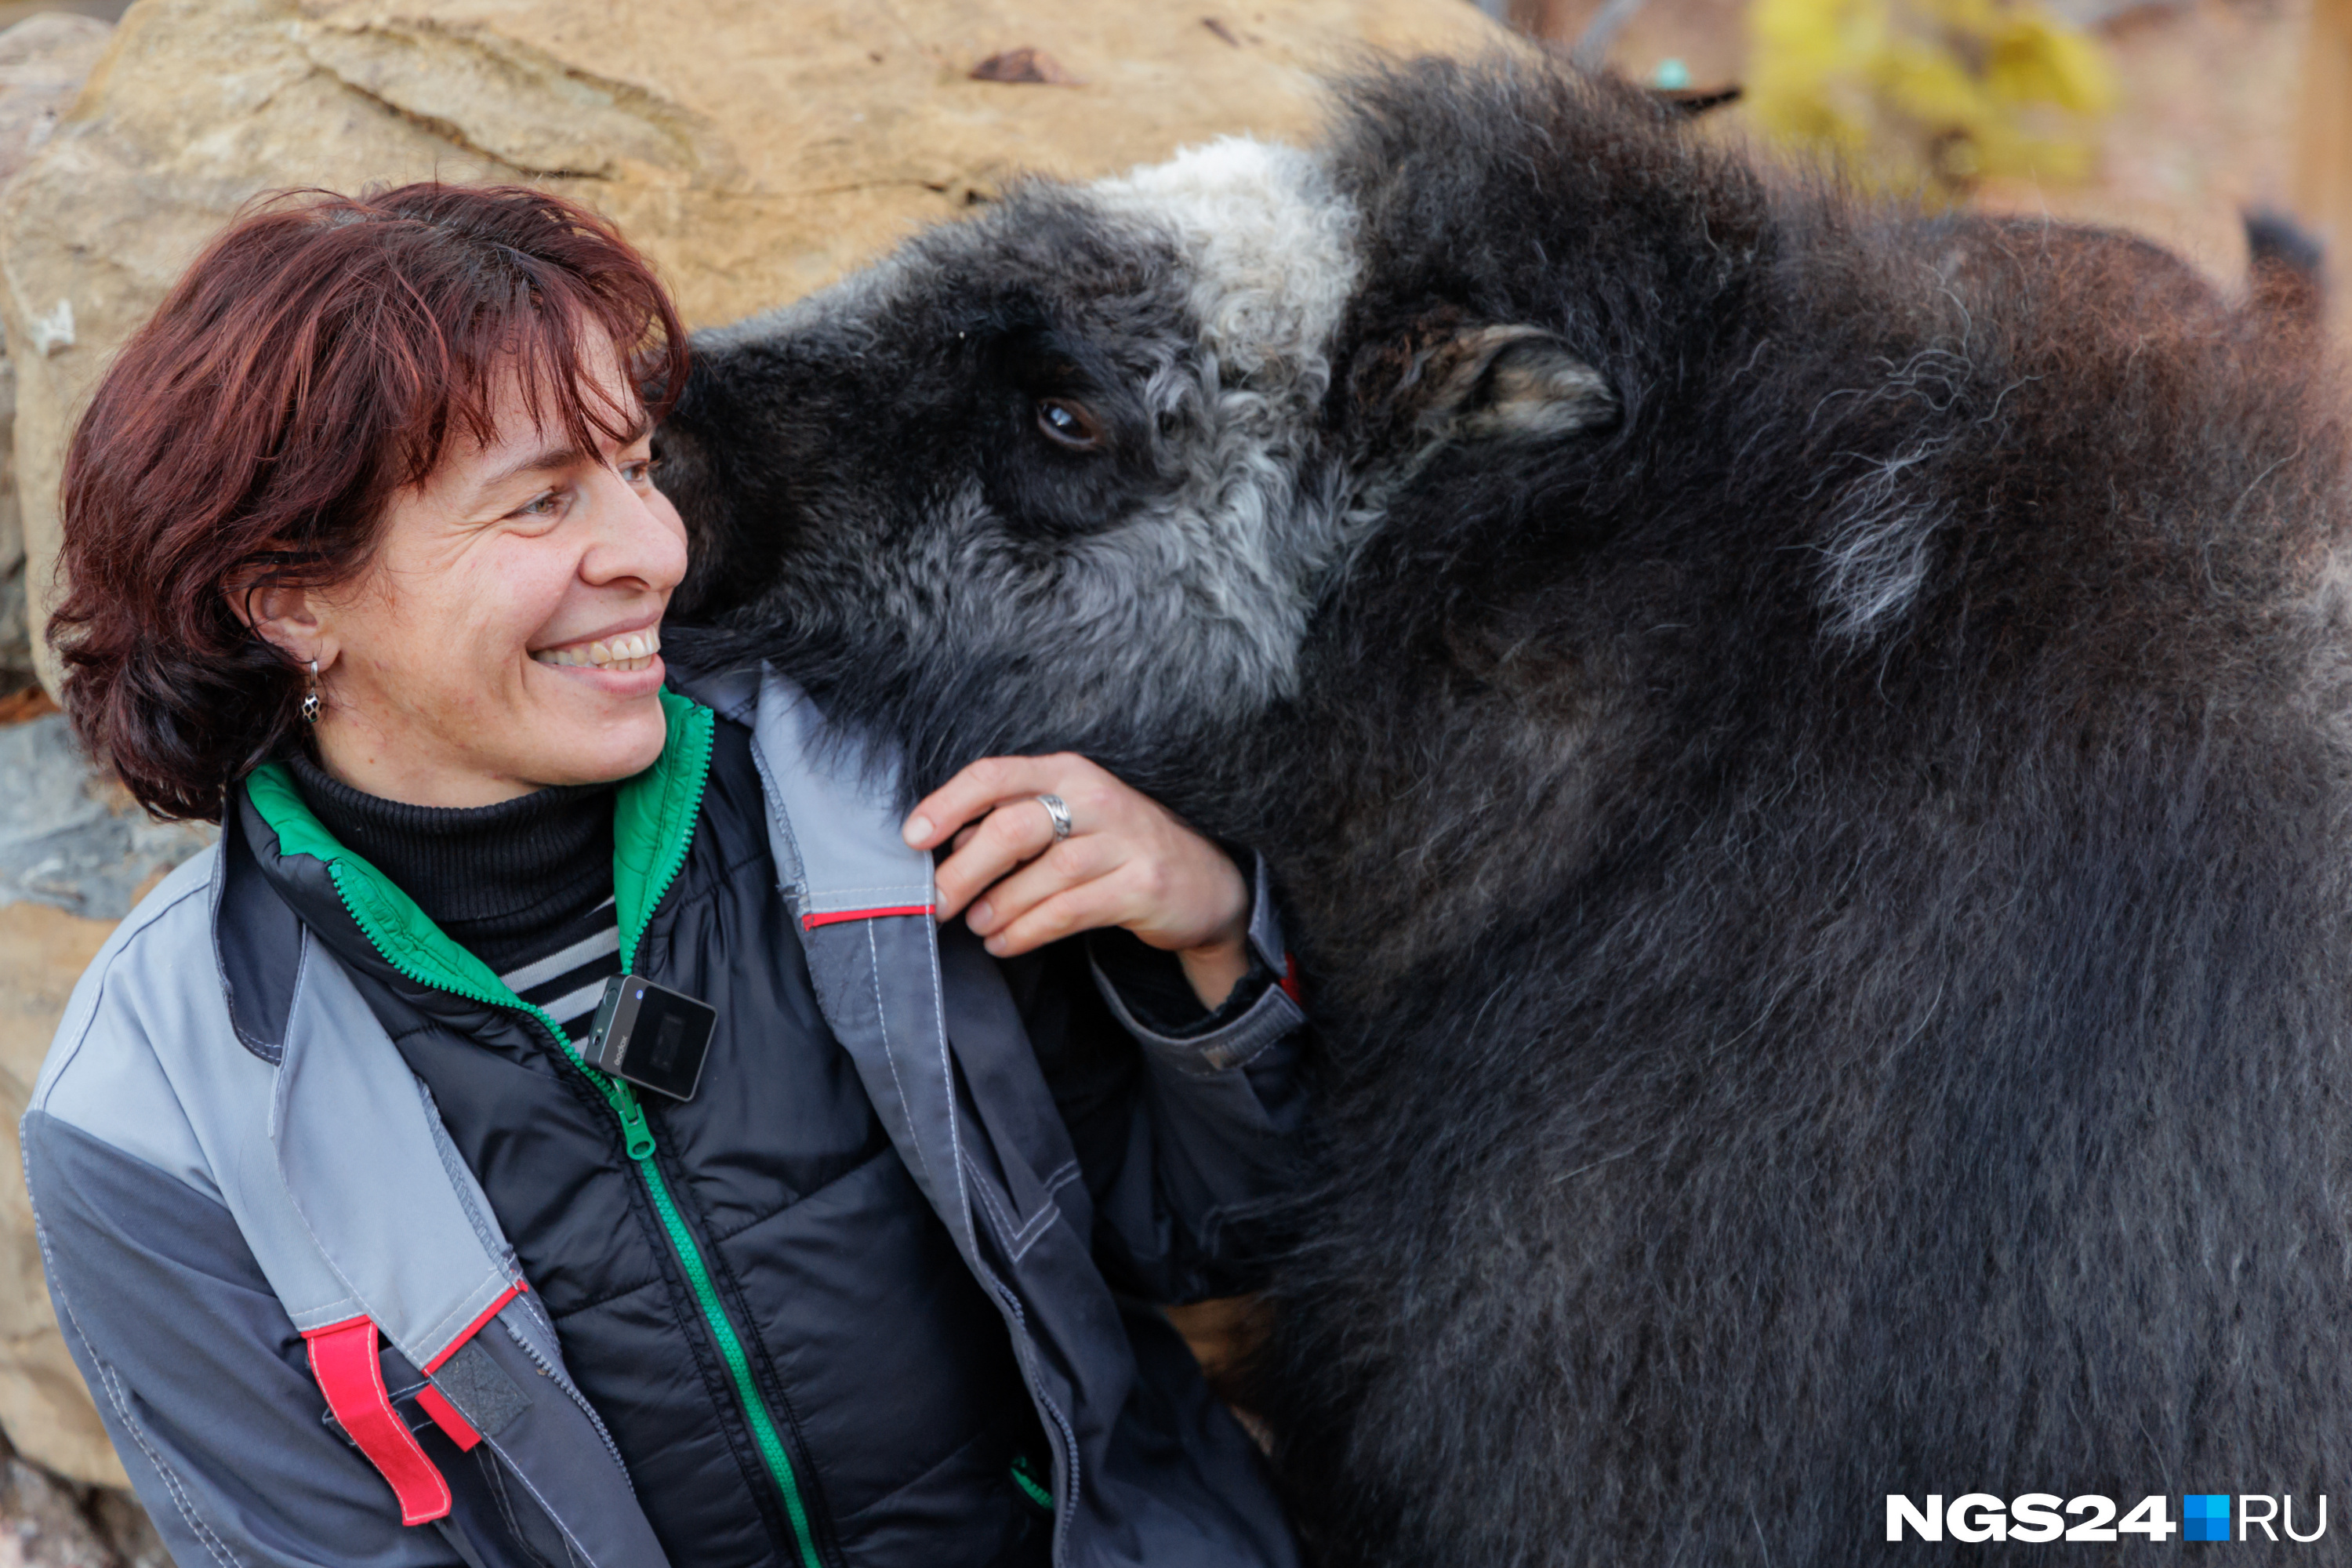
638 535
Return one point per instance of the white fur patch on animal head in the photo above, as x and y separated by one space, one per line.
1269 245
1228 559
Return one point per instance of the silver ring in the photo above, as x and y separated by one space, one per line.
1059 812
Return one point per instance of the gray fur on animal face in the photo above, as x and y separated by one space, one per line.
1180 606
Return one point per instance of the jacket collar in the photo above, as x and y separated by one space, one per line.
862 899
350 1124
341 894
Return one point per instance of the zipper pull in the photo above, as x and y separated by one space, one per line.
634 1130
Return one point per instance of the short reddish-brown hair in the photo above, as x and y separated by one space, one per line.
316 359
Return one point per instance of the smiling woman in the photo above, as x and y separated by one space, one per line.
501 638
356 426
560 1070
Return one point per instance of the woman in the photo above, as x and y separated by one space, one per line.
555 1114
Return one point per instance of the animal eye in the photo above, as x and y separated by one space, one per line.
1069 424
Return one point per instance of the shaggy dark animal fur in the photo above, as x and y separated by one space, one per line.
1805 747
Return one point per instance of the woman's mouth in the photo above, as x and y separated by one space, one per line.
632 650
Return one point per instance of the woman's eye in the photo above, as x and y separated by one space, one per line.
641 472
545 505
1069 423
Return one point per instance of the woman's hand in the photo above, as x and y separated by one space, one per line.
1128 861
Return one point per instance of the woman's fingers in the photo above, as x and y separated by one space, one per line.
1128 861
980 788
991 818
1088 906
1060 867
1004 838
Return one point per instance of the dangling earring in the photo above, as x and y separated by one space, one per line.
311 698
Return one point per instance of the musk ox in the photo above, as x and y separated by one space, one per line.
1805 749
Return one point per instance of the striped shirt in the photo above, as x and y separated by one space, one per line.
525 885
568 983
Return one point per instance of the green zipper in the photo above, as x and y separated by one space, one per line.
1024 1475
659 818
653 827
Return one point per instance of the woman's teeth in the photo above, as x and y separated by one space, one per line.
635 651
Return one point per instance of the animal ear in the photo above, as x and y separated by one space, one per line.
1510 383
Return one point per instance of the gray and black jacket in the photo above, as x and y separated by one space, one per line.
314 1342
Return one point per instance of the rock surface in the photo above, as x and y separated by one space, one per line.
44 1407
16 669
754 149
75 854
48 1523
70 838
43 62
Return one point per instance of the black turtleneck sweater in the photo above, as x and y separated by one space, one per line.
526 885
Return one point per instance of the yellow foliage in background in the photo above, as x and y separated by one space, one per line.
1928 96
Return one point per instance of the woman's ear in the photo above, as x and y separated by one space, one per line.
286 617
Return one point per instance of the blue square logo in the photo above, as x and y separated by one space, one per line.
2205 1516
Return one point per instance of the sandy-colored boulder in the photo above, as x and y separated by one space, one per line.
43 60
755 148
43 1408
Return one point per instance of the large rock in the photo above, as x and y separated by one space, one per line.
74 853
44 1407
72 838
43 60
46 1522
756 149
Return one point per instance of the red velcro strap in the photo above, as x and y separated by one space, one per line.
809 923
343 1360
459 1430
1289 981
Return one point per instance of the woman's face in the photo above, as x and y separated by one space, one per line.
505 635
